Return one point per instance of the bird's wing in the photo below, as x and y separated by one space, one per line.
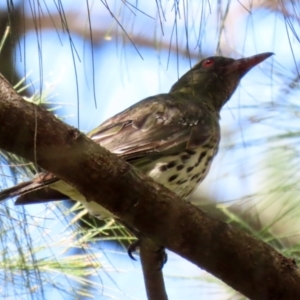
155 125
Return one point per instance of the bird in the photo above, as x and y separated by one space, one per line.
171 137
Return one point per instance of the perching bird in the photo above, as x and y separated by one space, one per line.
171 137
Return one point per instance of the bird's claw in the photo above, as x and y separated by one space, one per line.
162 255
132 248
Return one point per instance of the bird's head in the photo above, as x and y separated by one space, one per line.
216 78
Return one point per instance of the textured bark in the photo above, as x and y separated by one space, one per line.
240 260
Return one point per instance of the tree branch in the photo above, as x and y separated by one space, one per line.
243 262
150 255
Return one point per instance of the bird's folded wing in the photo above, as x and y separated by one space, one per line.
152 126
155 125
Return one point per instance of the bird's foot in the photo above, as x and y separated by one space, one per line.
161 253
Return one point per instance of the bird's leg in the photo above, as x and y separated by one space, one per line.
161 253
162 256
134 245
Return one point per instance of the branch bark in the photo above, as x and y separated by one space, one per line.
152 264
248 265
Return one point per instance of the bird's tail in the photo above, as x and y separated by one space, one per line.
33 191
16 190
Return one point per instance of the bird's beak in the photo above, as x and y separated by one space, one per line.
243 65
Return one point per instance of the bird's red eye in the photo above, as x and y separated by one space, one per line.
208 63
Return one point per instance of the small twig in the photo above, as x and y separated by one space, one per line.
151 261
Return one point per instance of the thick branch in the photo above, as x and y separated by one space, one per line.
243 262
